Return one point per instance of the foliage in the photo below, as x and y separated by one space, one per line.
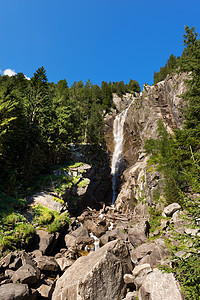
50 219
178 158
170 66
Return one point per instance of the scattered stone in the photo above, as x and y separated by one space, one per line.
96 276
12 291
170 209
164 224
152 253
130 296
26 274
128 278
47 263
45 291
16 264
43 240
138 234
142 270
7 260
9 273
64 263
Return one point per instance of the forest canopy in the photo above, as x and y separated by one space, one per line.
38 120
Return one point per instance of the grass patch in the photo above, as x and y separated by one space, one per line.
48 219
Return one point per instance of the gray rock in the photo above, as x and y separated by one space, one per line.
152 253
96 276
9 273
46 200
12 291
5 261
128 278
26 274
64 263
112 235
47 263
160 286
16 264
45 291
130 296
138 234
142 270
170 209
44 240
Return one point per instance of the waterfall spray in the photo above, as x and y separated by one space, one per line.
118 132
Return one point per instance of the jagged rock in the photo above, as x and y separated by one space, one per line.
138 234
45 291
96 276
164 224
13 291
9 273
26 259
36 253
7 260
117 233
130 296
160 286
47 263
64 263
26 274
170 209
152 253
128 278
142 270
43 240
78 237
97 227
16 264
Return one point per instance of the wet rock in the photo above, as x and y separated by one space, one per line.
170 209
162 286
26 274
92 276
47 263
12 291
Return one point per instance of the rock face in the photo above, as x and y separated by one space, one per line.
160 101
96 276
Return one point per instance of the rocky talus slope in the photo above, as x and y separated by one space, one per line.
107 252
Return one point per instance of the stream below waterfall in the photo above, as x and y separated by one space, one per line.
118 133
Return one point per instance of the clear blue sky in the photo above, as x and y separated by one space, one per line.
97 39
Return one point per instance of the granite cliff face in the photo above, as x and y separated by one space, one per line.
160 101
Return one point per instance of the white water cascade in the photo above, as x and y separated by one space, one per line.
118 132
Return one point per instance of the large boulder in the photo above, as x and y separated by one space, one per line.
14 291
160 286
96 276
138 234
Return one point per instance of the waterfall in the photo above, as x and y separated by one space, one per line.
118 132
